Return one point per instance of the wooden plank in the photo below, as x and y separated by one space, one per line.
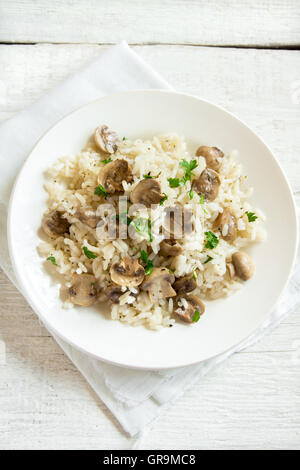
264 23
237 79
251 401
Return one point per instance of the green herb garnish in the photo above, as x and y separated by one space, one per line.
208 259
196 316
163 199
148 262
52 259
191 194
124 138
194 276
143 225
171 271
251 216
99 190
89 254
202 201
123 217
106 160
211 240
175 182
189 166
148 176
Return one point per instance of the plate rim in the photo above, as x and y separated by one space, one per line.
30 299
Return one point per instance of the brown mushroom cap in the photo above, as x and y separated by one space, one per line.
243 265
83 290
159 284
146 192
185 284
114 293
208 184
177 221
212 155
112 175
87 216
128 272
226 220
55 225
170 248
106 139
194 303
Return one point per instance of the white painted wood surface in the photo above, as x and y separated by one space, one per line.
251 401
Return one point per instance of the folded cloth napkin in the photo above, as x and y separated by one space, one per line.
134 397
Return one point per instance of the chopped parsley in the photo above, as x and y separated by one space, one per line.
163 199
196 316
124 138
208 259
52 259
202 201
143 225
194 276
251 216
189 166
148 176
106 160
123 217
191 194
89 254
211 240
148 262
99 190
171 271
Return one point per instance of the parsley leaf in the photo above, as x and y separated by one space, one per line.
194 275
175 182
191 194
124 138
196 316
99 190
89 254
143 225
251 216
123 217
163 199
148 176
208 259
52 259
211 240
148 262
202 201
106 160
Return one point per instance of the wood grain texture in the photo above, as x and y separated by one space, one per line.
264 23
252 400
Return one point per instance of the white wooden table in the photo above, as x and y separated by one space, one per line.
243 55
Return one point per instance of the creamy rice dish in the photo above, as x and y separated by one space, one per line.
152 227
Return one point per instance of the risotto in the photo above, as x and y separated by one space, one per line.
152 227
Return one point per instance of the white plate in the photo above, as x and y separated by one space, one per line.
226 322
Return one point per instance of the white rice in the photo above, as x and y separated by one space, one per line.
71 183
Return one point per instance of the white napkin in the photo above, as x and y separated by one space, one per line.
134 397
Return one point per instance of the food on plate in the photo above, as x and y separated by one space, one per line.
153 227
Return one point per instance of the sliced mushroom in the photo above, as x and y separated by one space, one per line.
227 224
170 248
212 155
83 290
55 225
159 284
208 184
88 216
177 221
128 272
106 139
146 192
185 284
243 265
187 313
112 175
230 270
114 293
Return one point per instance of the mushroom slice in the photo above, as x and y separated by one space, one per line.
114 293
146 192
177 221
159 284
55 225
88 216
212 155
83 290
128 272
185 284
170 248
243 265
189 308
106 139
227 224
112 175
208 184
